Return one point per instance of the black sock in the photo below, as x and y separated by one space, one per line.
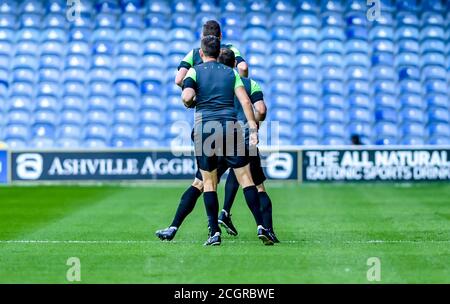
231 188
187 204
212 210
266 209
252 199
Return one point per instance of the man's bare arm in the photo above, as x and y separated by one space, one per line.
243 69
188 97
260 111
180 76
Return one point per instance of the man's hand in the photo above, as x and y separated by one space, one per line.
253 137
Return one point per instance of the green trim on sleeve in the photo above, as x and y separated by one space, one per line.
238 82
255 87
189 58
191 74
235 51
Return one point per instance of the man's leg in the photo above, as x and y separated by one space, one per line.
211 205
266 210
231 188
187 203
251 197
266 206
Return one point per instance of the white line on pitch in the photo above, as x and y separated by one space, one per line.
226 241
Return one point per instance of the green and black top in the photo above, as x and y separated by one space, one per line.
193 57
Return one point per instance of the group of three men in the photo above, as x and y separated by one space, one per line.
221 98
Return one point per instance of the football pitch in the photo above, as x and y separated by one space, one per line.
328 233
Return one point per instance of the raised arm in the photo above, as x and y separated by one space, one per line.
180 76
240 62
257 99
189 88
246 104
183 68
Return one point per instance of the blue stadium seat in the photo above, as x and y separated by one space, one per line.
406 73
334 141
436 86
334 101
306 33
356 46
47 103
413 115
361 115
308 87
407 59
21 75
156 20
69 74
76 103
360 101
329 59
380 72
72 117
437 101
18 117
52 48
358 86
413 129
308 73
384 87
386 130
132 20
99 102
332 5
82 34
74 88
331 72
182 20
99 132
412 101
329 45
408 46
283 101
386 115
381 33
383 45
361 129
438 115
282 19
306 60
433 59
432 46
439 130
22 89
383 101
310 130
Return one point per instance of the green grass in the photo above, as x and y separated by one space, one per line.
328 233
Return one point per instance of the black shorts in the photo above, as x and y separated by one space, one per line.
221 169
232 149
256 170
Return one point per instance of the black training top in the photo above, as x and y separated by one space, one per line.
214 84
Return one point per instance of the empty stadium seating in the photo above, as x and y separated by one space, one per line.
105 79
